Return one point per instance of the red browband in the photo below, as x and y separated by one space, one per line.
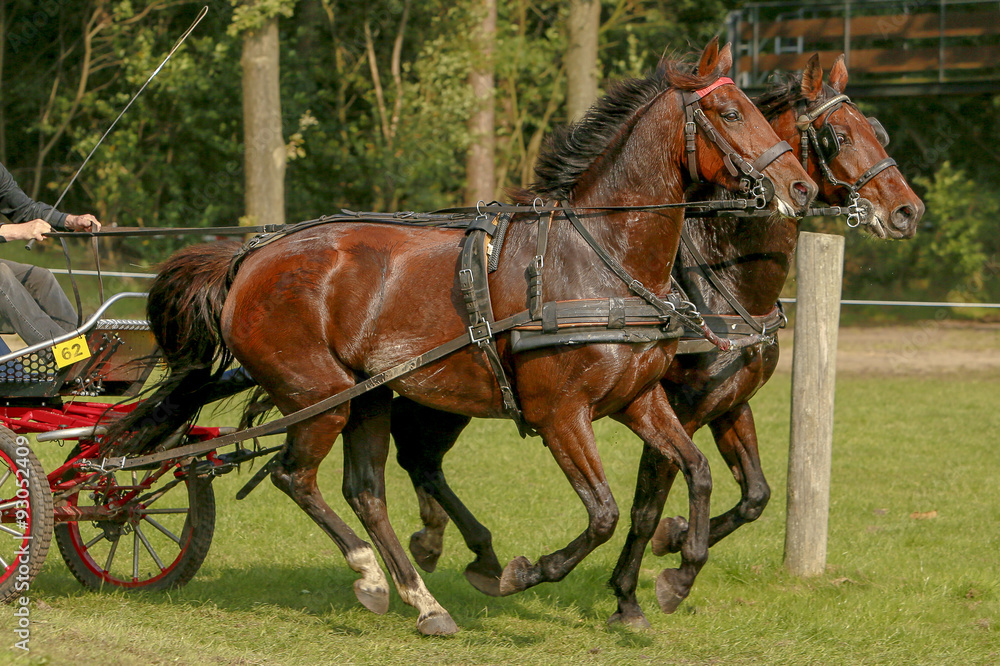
722 81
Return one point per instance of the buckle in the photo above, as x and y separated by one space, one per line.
480 333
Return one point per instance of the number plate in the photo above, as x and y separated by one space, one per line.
71 351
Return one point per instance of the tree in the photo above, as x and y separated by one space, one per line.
480 181
264 145
581 57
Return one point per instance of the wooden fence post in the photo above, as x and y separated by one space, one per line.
820 266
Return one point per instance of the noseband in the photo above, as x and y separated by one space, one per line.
750 174
826 145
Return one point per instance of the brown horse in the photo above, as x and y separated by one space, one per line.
313 314
751 257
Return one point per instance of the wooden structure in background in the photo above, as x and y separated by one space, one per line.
893 47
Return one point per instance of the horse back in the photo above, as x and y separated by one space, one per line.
369 296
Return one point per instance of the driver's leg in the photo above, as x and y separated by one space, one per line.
18 305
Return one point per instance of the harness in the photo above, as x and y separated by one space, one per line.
826 145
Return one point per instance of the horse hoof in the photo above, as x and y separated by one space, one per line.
439 624
669 536
670 592
426 558
515 576
488 584
630 620
375 599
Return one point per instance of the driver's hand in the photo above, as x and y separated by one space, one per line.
82 223
33 230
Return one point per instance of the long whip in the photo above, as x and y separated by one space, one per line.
76 292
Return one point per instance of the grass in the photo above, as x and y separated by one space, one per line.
904 585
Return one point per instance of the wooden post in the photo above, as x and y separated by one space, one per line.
820 266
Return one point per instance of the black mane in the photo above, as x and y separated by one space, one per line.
572 150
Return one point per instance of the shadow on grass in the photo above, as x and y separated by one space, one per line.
325 592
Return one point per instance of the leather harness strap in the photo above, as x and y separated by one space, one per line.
472 278
720 286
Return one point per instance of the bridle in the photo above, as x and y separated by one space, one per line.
826 145
750 174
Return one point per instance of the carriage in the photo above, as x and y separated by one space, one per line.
148 528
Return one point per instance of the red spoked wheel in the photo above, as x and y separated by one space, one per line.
25 516
139 530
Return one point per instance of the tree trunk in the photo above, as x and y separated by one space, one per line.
264 149
581 57
480 180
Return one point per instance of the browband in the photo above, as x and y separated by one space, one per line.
807 118
721 81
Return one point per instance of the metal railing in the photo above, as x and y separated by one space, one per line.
892 47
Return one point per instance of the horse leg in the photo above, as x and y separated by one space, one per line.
656 476
652 419
366 449
295 475
736 438
423 436
570 438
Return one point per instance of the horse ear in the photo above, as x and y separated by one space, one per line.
709 58
812 79
838 75
725 59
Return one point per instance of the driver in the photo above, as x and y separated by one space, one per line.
31 301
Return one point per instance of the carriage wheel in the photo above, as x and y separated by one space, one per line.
25 515
156 541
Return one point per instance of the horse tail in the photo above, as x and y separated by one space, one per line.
184 310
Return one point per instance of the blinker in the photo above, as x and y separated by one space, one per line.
827 143
880 134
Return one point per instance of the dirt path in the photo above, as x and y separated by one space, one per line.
929 348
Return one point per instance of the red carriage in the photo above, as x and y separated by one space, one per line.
147 528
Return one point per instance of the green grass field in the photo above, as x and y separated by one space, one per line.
913 570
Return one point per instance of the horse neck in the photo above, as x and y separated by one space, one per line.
642 172
751 256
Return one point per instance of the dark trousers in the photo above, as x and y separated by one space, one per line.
33 303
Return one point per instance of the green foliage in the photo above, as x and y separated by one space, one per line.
954 255
253 14
368 126
960 213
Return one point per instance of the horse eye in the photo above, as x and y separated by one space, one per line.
731 115
842 138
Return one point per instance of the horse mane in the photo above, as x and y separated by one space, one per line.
572 150
785 93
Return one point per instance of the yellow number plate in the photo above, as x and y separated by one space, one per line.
71 351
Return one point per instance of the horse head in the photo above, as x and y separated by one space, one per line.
735 125
845 152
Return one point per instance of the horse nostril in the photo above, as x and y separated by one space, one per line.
802 193
903 216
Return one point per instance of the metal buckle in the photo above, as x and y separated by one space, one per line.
853 211
480 333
